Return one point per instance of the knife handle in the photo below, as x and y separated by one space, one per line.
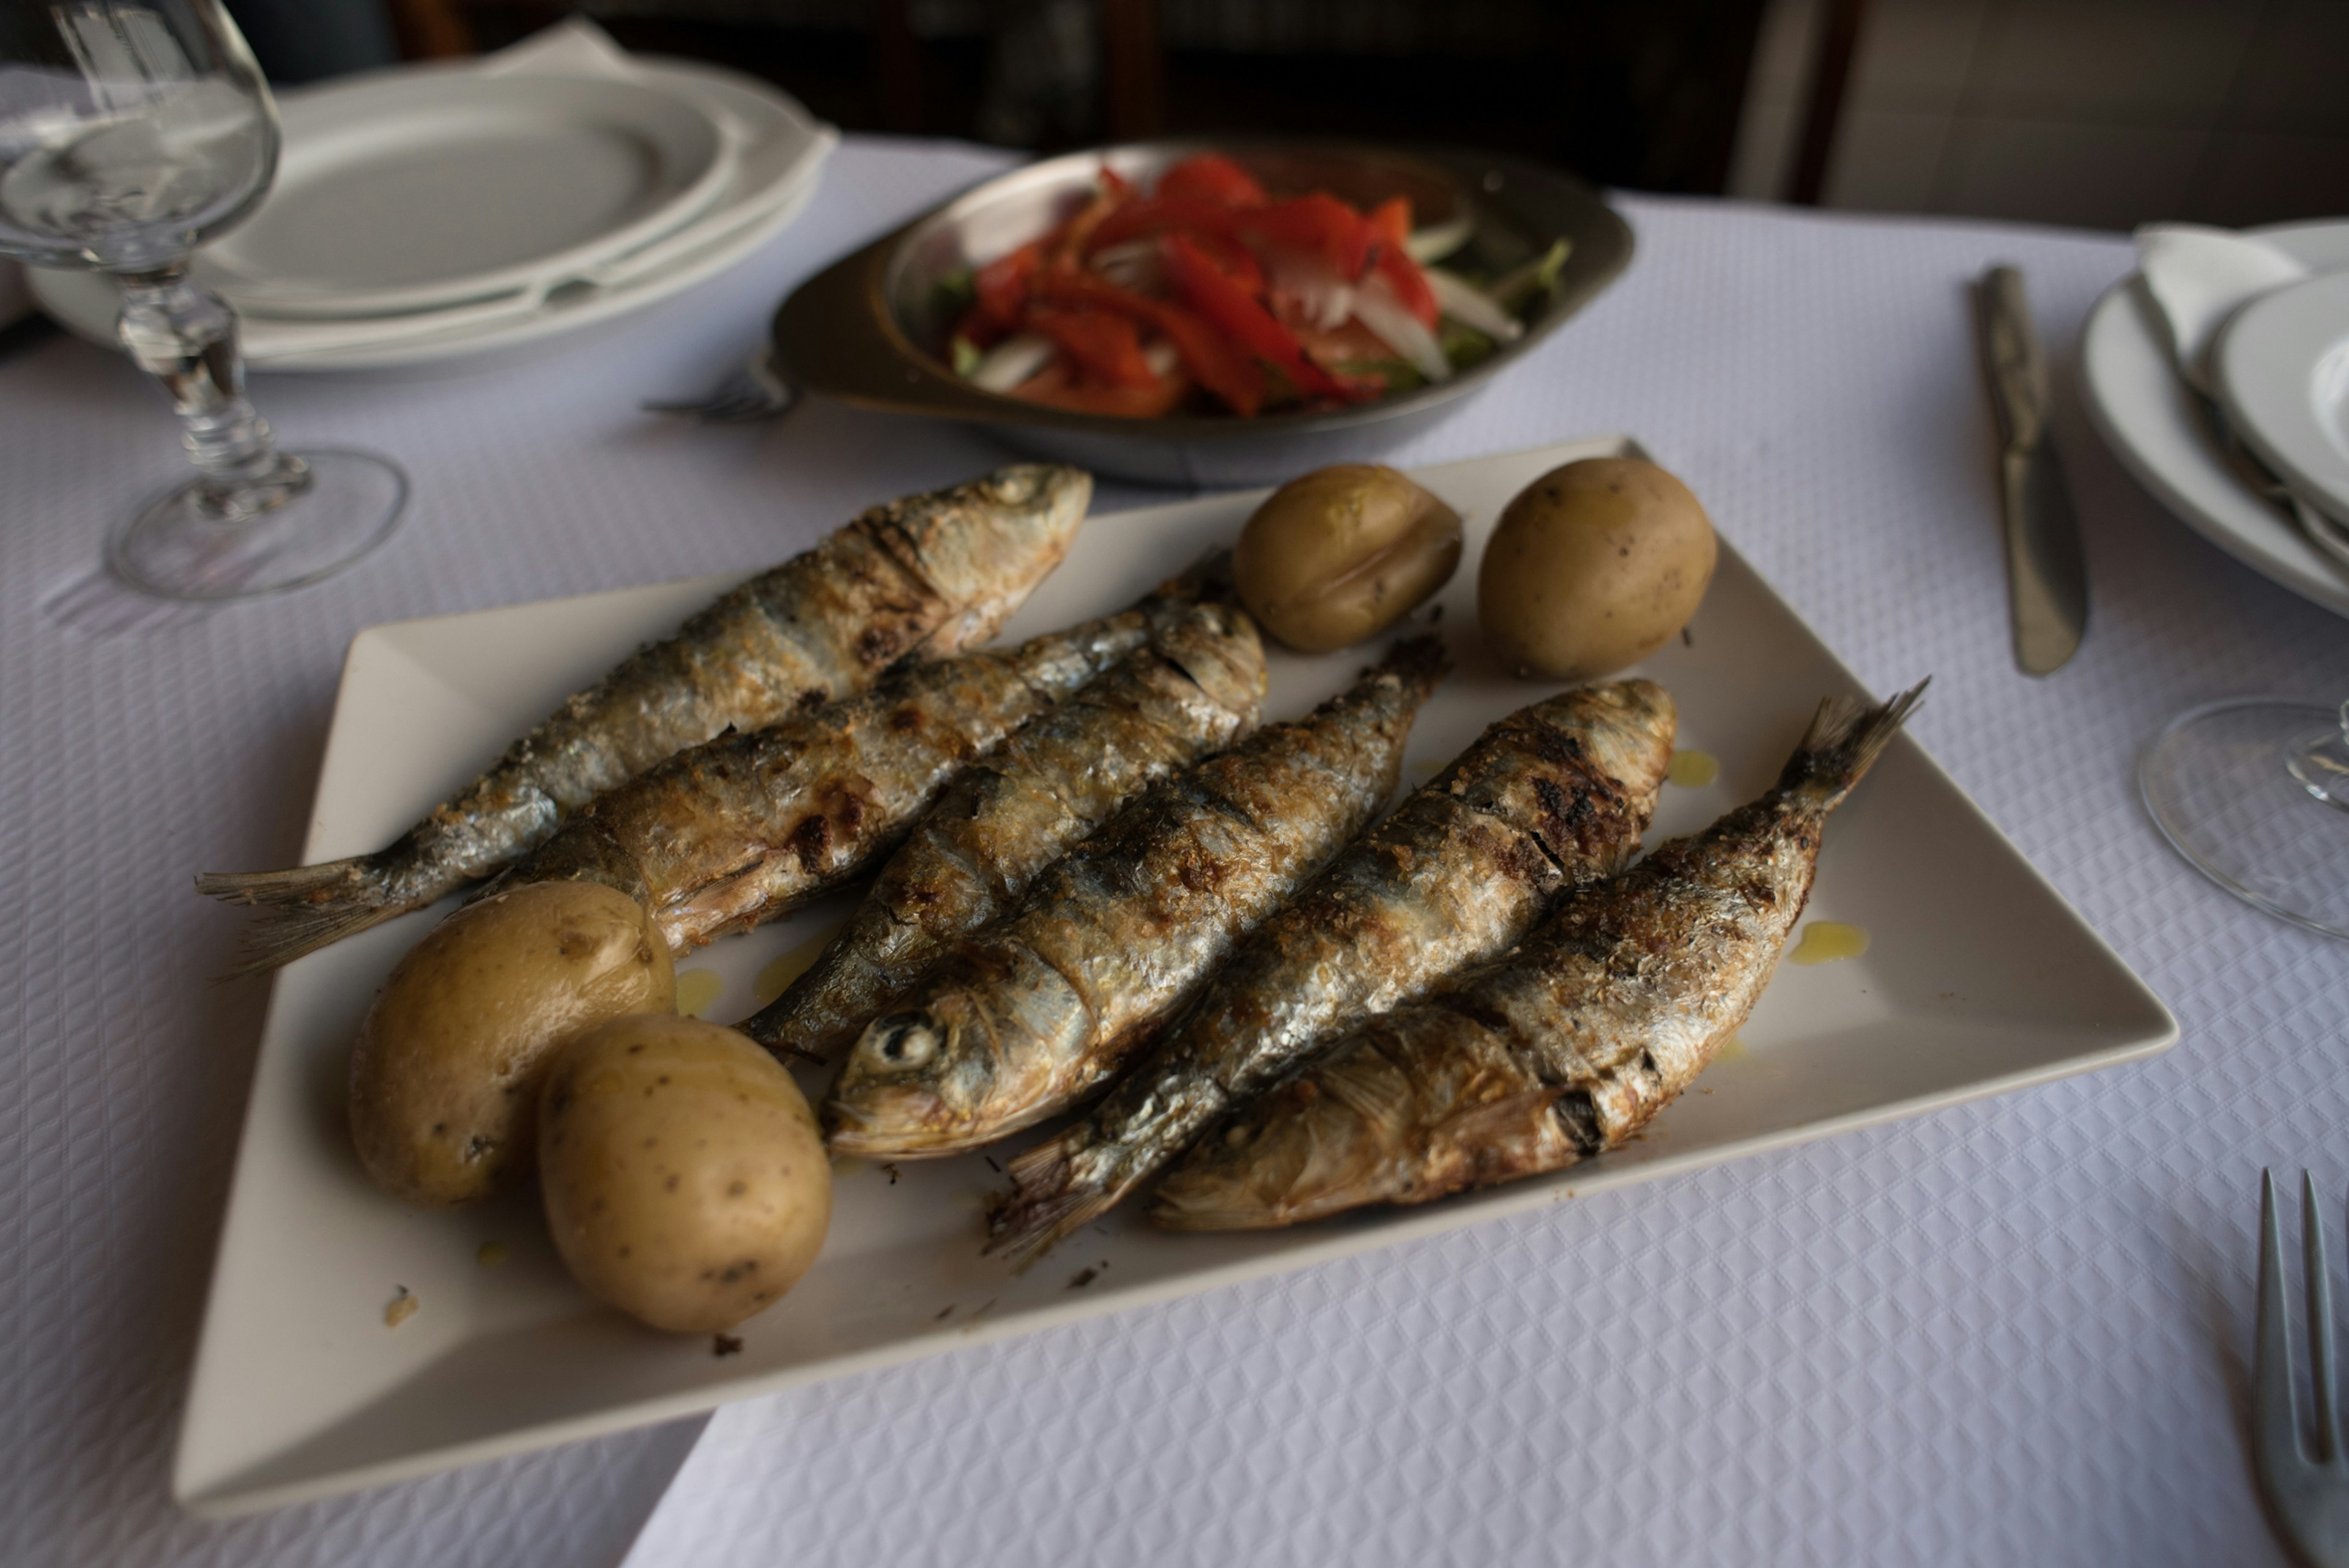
2011 359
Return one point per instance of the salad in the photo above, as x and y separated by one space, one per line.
1207 294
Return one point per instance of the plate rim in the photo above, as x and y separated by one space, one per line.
2154 1031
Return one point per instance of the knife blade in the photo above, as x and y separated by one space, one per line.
2046 572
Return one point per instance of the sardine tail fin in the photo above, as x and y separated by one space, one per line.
304 909
1419 661
1050 1197
1844 741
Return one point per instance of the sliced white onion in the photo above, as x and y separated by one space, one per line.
1135 264
1437 241
1466 303
1327 299
1011 361
1376 307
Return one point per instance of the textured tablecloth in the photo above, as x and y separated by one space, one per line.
2017 1332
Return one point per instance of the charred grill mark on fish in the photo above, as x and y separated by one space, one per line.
1562 1050
1196 687
1027 1016
1555 794
926 577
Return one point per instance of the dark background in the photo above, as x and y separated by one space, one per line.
1637 92
2089 113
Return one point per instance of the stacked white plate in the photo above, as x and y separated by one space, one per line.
2282 373
435 212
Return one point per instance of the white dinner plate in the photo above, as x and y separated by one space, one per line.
406 191
2282 370
2149 419
782 151
1979 979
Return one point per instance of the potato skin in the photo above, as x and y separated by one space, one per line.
684 1178
1592 567
1334 557
446 1070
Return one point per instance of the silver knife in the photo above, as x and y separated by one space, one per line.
2046 577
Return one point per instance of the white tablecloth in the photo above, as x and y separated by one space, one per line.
2017 1332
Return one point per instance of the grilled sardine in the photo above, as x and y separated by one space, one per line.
1563 1049
1028 1014
742 829
1197 687
930 575
1554 795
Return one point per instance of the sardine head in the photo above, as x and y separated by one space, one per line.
985 544
1320 1144
913 1084
1260 1170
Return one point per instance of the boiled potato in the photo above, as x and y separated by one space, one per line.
1592 567
1338 556
685 1179
445 1074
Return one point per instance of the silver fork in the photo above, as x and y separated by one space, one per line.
2307 1494
755 389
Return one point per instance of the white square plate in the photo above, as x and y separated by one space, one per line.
1980 979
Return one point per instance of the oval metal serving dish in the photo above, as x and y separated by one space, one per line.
866 330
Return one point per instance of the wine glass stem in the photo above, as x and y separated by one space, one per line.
184 335
2321 762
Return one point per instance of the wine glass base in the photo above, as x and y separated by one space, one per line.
181 547
2221 784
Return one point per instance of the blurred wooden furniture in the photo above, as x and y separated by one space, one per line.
1134 68
1640 93
432 29
1839 41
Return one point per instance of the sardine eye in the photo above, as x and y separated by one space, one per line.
906 1041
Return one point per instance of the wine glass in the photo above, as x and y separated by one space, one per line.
130 132
2255 792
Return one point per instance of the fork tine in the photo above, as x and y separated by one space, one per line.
2320 1320
2275 1420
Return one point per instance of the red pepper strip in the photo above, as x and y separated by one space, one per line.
1104 344
1317 222
1148 215
1223 370
1003 284
1229 375
1212 177
1391 219
1202 285
1237 262
1411 285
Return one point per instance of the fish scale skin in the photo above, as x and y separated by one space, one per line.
1196 687
742 829
1558 1051
928 575
1557 793
1031 1014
